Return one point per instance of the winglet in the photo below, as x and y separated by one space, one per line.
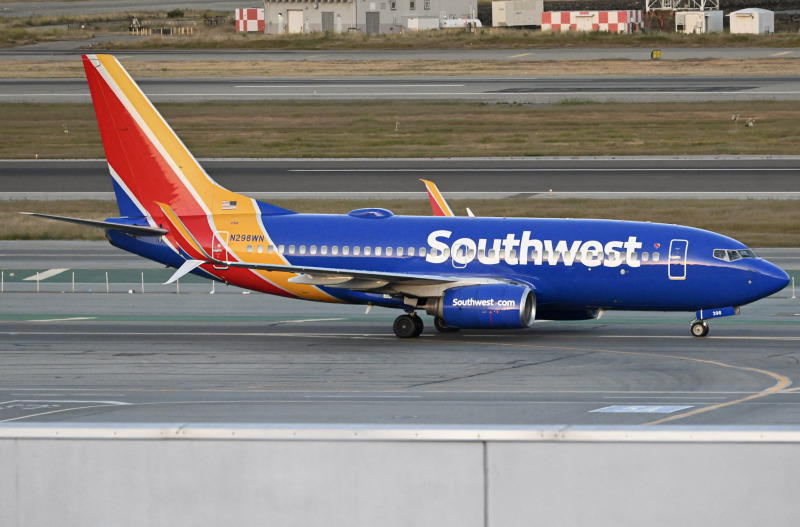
438 203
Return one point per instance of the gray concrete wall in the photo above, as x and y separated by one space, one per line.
354 476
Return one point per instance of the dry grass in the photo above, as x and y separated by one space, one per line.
429 129
485 38
348 68
754 222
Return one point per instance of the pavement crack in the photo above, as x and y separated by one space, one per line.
500 370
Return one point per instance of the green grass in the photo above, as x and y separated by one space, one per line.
426 129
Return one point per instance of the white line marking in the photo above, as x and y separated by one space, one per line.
363 397
45 274
307 320
588 169
353 86
62 319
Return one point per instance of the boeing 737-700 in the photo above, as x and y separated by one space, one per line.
466 272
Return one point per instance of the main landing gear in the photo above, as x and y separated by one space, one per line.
408 326
699 328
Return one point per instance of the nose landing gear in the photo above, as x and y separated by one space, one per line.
699 328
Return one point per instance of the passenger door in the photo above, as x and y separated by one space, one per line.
677 259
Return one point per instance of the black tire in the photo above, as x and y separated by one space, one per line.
405 327
439 324
699 329
418 324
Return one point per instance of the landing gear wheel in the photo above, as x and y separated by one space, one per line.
439 323
699 328
408 326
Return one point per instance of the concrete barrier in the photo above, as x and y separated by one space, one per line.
293 475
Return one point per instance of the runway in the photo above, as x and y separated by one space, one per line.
232 358
769 177
524 89
237 358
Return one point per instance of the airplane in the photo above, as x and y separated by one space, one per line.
466 272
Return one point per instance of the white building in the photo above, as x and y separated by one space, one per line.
368 16
511 13
752 20
698 22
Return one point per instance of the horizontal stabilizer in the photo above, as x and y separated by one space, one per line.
107 225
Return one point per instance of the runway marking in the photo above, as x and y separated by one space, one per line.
639 409
62 319
488 169
352 86
306 320
35 404
45 274
782 382
650 397
520 55
781 53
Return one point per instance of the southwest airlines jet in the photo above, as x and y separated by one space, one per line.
466 272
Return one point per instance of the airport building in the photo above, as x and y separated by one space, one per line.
753 20
367 16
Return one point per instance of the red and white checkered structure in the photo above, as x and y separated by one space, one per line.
250 19
610 21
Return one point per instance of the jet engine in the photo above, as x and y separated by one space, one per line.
489 306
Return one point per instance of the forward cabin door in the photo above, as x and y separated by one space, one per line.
677 259
219 248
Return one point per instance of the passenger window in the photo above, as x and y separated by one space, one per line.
260 249
335 250
399 251
388 251
645 257
270 249
323 249
367 250
313 249
411 251
346 250
291 249
302 249
422 251
656 257
249 248
634 257
280 249
356 250
377 251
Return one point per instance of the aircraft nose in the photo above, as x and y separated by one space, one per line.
771 278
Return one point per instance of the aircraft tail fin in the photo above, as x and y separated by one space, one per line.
147 160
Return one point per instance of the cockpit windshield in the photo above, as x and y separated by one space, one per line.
729 255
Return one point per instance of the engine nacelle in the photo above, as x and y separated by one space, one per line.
490 306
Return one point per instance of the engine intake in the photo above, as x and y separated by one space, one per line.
491 306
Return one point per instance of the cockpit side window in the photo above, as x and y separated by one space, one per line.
731 255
